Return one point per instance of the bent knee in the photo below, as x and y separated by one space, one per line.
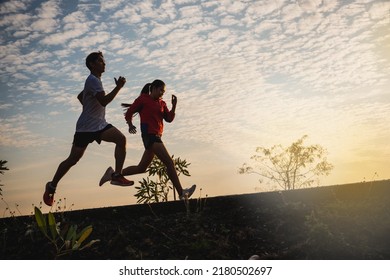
121 140
142 169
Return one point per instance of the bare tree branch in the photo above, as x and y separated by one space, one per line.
292 167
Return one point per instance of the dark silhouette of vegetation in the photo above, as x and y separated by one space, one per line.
296 166
343 222
2 169
157 191
65 239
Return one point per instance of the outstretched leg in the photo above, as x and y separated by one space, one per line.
75 154
162 153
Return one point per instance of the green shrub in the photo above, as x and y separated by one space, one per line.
65 240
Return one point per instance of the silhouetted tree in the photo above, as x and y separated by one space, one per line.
294 167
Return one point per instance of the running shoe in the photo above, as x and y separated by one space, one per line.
107 176
48 196
187 193
119 180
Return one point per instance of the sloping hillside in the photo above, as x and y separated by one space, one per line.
336 222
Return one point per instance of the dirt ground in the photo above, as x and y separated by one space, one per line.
337 222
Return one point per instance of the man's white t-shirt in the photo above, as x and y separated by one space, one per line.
93 115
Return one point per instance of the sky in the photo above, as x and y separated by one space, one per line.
246 74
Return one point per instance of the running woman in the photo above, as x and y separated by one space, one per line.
153 111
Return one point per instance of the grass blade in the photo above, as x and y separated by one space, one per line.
41 221
52 225
84 234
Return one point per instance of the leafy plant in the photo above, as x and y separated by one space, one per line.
151 191
65 240
158 191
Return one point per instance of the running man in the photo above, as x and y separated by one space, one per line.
92 126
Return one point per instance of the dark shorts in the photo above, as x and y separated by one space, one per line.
150 139
82 139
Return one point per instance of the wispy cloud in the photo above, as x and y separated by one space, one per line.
20 135
13 7
242 70
74 25
46 17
